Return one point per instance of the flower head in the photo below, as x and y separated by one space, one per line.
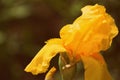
82 40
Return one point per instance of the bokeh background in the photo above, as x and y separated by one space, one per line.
26 24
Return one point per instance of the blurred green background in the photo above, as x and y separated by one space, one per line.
26 24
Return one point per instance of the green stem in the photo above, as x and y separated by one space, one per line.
67 70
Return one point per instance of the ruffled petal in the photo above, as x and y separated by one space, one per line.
95 68
92 32
41 61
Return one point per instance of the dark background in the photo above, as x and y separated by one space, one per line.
26 24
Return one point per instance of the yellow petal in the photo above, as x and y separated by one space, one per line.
97 27
95 68
40 62
49 75
92 32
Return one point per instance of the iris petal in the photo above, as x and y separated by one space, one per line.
92 32
95 68
41 61
49 75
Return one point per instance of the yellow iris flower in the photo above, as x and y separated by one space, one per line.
83 40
